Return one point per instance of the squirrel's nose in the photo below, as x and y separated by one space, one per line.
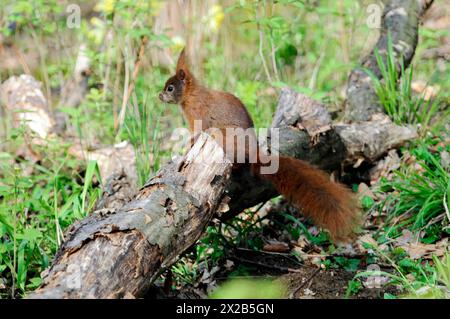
160 96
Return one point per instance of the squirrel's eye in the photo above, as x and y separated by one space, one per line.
170 88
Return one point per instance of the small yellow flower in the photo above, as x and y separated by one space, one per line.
214 18
156 7
97 31
96 22
178 43
105 6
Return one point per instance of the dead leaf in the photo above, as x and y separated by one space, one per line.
385 166
427 91
364 190
407 237
415 249
276 247
346 250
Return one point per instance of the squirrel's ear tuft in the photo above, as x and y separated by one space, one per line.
182 72
181 64
181 75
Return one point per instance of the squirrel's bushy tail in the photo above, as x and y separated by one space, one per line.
330 205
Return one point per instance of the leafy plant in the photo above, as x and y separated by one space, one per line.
34 211
396 95
354 286
419 193
418 280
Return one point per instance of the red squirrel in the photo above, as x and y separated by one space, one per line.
330 205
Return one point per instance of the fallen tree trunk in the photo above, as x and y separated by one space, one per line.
22 97
119 254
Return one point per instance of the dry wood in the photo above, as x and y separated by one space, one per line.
117 254
22 97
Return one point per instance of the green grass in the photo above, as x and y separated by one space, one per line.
396 96
35 209
417 279
142 128
418 195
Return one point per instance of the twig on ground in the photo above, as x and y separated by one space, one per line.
304 283
256 263
446 207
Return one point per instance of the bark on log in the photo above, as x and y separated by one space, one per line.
120 254
401 20
22 97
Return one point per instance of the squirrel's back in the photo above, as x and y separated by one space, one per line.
216 108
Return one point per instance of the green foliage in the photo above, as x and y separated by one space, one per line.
185 271
354 286
367 202
32 13
443 270
142 127
295 227
418 279
350 264
396 95
35 209
419 193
